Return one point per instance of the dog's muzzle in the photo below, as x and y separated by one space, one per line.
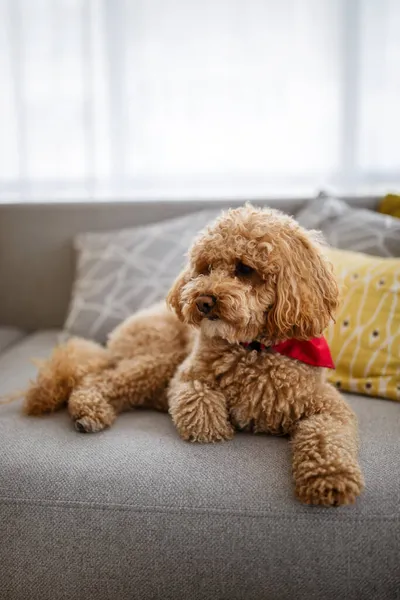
206 305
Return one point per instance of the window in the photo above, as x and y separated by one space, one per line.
179 96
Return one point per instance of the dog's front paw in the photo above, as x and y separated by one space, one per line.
200 414
331 490
90 425
205 431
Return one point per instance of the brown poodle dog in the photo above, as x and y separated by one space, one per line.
255 281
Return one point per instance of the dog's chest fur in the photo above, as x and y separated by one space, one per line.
263 389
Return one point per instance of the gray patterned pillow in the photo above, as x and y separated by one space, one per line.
119 272
349 228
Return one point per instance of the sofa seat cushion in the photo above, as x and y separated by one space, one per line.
134 512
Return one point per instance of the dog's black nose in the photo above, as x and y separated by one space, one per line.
205 304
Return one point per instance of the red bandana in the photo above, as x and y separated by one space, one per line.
313 352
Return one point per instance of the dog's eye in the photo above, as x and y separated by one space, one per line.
243 270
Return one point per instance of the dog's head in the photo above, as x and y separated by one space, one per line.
256 274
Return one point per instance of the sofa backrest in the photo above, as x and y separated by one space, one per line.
36 252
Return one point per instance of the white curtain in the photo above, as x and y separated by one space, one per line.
197 97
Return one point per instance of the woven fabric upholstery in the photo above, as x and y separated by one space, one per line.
136 513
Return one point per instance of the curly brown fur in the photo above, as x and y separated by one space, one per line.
97 383
66 367
262 277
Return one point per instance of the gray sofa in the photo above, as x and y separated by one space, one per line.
134 512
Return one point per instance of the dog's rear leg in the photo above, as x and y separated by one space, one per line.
59 374
90 403
140 381
147 349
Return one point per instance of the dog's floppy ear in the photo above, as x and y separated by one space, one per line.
307 293
174 294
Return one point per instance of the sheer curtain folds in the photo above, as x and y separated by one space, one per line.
171 94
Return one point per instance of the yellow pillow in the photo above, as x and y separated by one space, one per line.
390 205
365 341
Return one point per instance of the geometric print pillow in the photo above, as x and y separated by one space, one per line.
348 228
119 272
365 340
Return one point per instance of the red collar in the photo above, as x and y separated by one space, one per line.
313 352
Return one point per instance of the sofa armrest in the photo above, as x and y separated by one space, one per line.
9 336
